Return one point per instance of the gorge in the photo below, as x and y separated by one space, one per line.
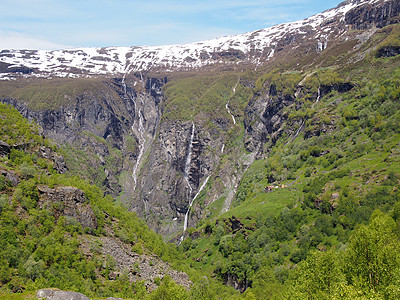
252 154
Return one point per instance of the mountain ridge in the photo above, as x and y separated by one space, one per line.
253 48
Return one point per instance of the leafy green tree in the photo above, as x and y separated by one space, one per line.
373 255
201 290
265 284
169 290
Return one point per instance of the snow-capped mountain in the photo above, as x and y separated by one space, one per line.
254 48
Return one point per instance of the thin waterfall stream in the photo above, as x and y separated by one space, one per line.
189 161
227 103
140 130
319 94
185 223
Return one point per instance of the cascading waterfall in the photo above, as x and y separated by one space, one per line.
298 130
186 177
229 111
319 94
227 103
189 161
142 141
185 223
140 129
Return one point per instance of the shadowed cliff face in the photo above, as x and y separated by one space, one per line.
104 129
163 193
379 14
126 148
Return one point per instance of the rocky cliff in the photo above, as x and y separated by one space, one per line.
69 202
174 146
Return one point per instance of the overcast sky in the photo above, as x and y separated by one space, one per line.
55 24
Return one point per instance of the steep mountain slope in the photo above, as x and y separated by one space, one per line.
174 129
301 204
60 231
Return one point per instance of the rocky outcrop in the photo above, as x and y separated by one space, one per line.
388 51
4 148
44 152
69 202
138 267
264 117
379 14
50 294
11 177
57 159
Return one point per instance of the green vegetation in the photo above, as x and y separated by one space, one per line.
329 228
41 94
203 99
41 249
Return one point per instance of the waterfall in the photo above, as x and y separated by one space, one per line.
227 103
188 161
140 129
297 133
319 94
185 224
234 88
229 111
142 142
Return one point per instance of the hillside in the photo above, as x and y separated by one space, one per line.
60 231
270 165
316 214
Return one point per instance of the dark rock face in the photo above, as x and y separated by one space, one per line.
379 14
4 148
263 119
162 192
85 121
233 281
57 159
341 88
68 202
11 176
388 51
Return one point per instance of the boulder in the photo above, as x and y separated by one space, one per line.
47 294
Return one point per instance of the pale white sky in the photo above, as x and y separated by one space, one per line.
55 24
